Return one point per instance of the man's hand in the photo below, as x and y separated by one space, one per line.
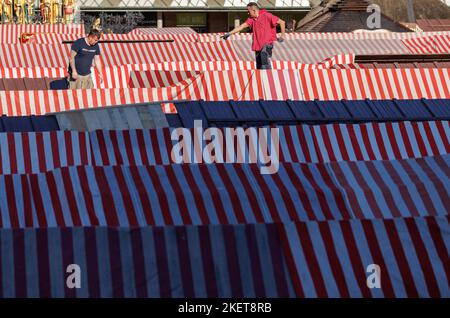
225 36
100 76
280 39
74 74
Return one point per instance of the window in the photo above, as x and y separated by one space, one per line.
191 19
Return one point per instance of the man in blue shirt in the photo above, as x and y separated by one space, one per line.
82 53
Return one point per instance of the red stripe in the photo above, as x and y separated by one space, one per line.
336 265
380 142
424 258
316 143
343 149
196 193
56 204
230 190
126 196
38 203
142 147
377 257
389 85
41 151
425 82
435 178
87 194
272 206
26 152
69 148
350 84
128 147
290 144
385 190
145 201
109 207
163 203
348 189
435 232
400 257
55 151
367 145
323 200
155 146
402 188
167 143
85 152
102 146
215 196
430 137
424 193
252 199
419 138
290 206
12 153
287 251
116 147
326 140
406 141
355 259
339 197
443 134
181 202
311 260
393 140
27 205
355 144
11 197
71 200
369 196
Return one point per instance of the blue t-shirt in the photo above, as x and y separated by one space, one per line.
84 57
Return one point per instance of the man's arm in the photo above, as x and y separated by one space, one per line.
98 66
282 25
72 64
238 29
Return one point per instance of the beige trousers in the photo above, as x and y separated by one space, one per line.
82 82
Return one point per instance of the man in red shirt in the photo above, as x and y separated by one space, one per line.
264 27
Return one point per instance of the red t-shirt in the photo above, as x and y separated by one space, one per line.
264 29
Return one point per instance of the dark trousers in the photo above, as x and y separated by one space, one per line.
263 57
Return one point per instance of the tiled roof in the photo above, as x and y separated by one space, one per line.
343 16
434 24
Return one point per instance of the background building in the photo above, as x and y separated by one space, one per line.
201 15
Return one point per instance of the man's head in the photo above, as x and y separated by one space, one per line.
253 9
93 37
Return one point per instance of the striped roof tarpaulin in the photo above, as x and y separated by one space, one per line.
321 84
162 262
10 33
328 36
159 78
145 53
314 51
355 84
225 193
115 54
145 75
331 259
437 44
35 152
167 30
303 259
32 72
34 55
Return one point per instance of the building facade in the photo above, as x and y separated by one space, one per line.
201 15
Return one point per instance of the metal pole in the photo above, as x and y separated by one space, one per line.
410 8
